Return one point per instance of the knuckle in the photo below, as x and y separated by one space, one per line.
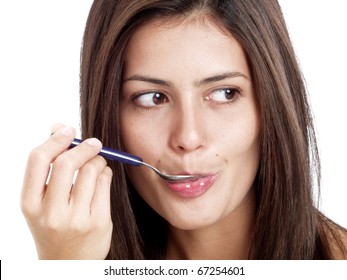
28 210
55 225
52 224
78 227
105 176
37 155
94 166
101 160
98 161
64 162
107 172
88 168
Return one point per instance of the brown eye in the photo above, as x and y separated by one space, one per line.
158 98
151 99
223 95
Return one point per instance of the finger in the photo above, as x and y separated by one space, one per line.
63 169
101 203
86 180
38 167
55 127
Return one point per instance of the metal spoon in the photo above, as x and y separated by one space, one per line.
136 161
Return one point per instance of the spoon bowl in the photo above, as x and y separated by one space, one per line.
172 178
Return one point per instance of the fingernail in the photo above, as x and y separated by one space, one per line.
55 127
93 142
67 130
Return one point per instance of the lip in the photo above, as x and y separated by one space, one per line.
193 188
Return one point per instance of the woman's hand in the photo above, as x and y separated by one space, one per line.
68 220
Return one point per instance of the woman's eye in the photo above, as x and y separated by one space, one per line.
150 99
223 95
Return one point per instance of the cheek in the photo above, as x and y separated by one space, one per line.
142 137
240 155
238 137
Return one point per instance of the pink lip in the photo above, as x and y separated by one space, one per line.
193 188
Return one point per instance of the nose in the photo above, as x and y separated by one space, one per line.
188 130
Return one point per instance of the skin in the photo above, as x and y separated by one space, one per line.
178 116
68 222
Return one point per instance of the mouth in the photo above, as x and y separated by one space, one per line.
194 187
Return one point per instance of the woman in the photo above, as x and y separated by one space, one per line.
193 87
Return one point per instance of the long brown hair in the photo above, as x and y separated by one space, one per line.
288 224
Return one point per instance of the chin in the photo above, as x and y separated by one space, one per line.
190 223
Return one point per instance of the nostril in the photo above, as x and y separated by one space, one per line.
188 148
188 133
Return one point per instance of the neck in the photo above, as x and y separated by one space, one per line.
227 239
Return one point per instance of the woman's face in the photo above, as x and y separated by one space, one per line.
188 107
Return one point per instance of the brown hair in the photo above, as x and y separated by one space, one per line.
288 224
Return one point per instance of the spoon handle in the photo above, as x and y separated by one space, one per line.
114 154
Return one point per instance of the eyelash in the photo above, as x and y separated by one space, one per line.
135 98
236 92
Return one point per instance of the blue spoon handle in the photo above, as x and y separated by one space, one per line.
114 154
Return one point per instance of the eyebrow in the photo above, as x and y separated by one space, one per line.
220 77
148 79
205 81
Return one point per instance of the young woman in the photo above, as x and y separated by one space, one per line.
193 87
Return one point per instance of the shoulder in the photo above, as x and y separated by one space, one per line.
339 244
333 238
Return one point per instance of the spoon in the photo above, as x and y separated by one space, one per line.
136 161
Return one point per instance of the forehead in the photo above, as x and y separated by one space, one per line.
199 41
178 26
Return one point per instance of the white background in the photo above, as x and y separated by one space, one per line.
39 86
